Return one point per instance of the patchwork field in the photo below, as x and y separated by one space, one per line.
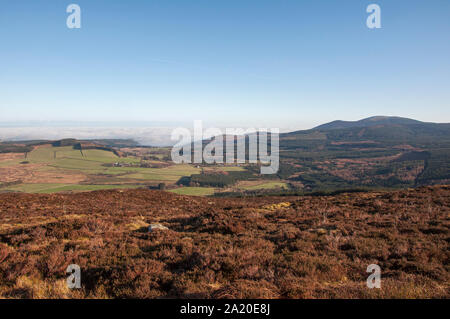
48 169
249 185
195 191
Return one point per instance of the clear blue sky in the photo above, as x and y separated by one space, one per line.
288 64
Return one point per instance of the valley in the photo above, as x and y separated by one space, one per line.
371 154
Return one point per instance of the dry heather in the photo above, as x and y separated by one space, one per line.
291 247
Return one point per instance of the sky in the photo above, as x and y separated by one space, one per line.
287 64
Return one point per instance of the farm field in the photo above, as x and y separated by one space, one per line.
195 191
48 169
262 185
171 173
51 169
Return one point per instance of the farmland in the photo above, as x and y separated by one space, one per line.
47 168
195 191
375 153
54 169
262 185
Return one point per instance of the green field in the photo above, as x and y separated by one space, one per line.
96 165
92 162
69 158
268 185
231 168
194 191
171 173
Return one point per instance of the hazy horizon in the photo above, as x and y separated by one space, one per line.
146 133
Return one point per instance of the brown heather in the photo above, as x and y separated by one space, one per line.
268 247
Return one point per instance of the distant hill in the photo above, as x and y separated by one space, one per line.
101 144
115 142
368 122
379 151
105 144
378 129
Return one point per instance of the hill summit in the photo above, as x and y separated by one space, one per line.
367 122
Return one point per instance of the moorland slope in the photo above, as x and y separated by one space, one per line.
271 247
